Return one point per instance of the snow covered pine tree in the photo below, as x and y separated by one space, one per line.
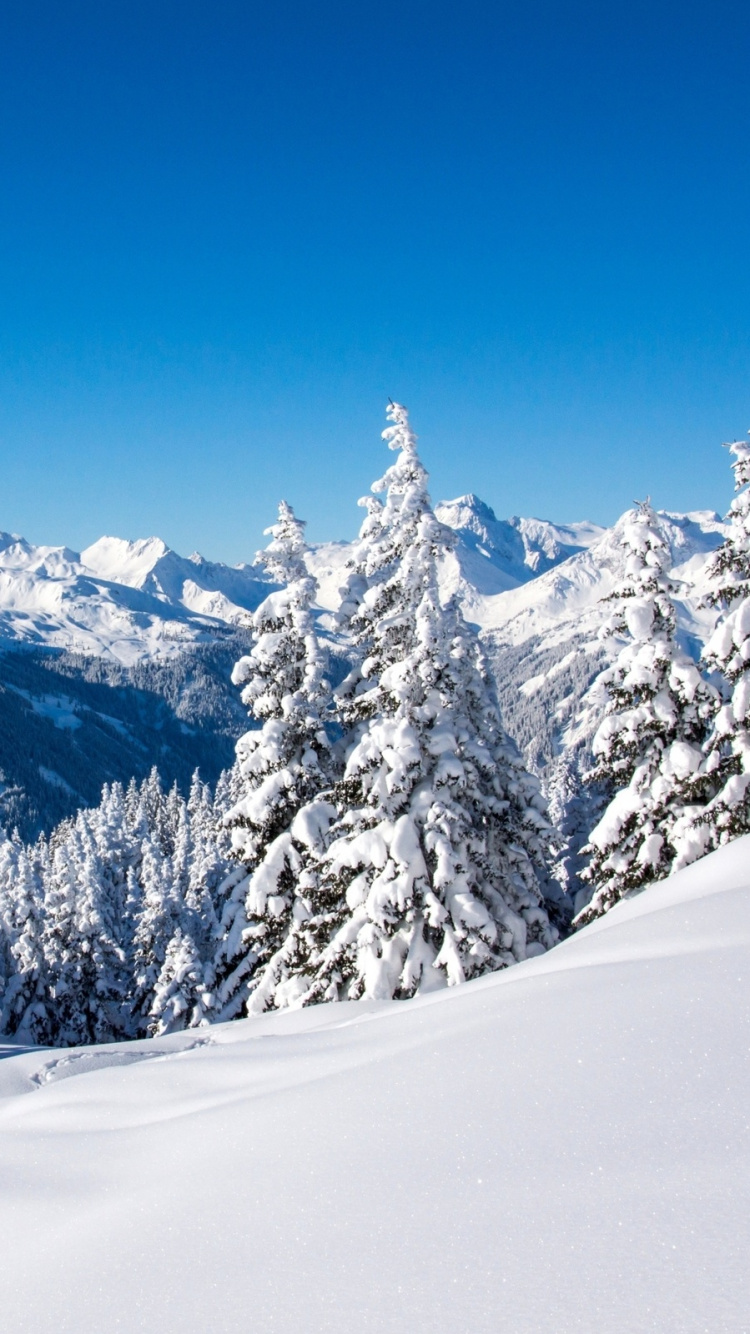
283 766
658 711
430 874
727 653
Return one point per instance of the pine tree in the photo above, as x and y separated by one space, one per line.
159 916
282 764
8 865
648 748
727 655
183 994
88 982
429 876
25 1010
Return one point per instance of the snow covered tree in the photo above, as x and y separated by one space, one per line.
159 916
648 748
282 764
9 850
87 967
25 1004
430 873
727 654
183 995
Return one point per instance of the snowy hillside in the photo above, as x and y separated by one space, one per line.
560 1147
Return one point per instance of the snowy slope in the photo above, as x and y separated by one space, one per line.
559 1148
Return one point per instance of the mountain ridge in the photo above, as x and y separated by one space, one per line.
127 646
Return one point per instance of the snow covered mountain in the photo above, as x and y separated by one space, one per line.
495 555
130 600
129 645
542 635
492 555
121 600
558 1147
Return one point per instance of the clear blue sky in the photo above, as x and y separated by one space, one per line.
228 231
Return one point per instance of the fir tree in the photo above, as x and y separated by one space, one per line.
182 998
648 748
183 994
159 916
282 764
429 876
88 981
25 1010
727 655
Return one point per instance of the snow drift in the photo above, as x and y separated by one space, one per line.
560 1147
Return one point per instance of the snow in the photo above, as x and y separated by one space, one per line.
565 600
134 599
558 1148
125 600
60 709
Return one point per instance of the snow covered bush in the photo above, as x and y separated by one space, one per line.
658 710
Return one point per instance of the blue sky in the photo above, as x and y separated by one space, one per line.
228 231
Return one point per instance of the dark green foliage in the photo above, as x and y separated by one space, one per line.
178 713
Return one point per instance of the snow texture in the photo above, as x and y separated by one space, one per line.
557 1148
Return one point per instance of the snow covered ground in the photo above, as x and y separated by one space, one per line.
561 1147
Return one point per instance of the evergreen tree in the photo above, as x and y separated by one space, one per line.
282 764
182 996
429 874
184 990
727 654
25 1009
159 916
8 870
648 748
88 981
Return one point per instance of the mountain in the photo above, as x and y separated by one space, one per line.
558 1147
119 600
128 647
202 588
495 555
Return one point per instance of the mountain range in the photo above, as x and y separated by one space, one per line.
127 645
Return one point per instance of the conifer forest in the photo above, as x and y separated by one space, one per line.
399 814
